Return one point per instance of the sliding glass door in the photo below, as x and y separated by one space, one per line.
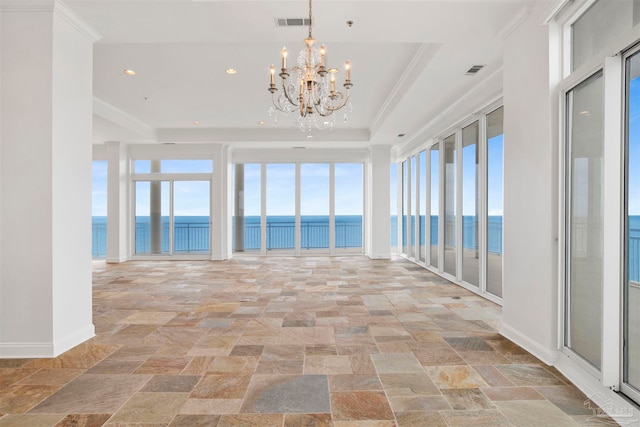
434 179
494 173
298 208
631 288
281 207
172 217
470 205
584 216
314 206
450 205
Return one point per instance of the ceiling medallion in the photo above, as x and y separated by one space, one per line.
309 92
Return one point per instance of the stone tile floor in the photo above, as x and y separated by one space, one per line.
309 341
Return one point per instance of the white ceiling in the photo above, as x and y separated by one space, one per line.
408 58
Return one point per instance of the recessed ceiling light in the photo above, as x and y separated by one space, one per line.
231 70
585 113
196 122
261 122
129 72
309 137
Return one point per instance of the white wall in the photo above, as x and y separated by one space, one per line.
530 299
71 183
46 99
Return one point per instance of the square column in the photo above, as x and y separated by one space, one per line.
46 56
118 240
378 234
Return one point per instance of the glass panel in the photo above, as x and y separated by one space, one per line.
584 215
450 205
394 206
99 209
414 205
281 206
470 194
435 205
246 207
173 166
152 217
495 142
631 351
405 207
422 161
600 25
191 216
349 204
142 166
314 206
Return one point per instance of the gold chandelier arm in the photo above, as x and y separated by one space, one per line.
329 109
289 89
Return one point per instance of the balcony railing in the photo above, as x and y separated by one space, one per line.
188 237
469 237
314 234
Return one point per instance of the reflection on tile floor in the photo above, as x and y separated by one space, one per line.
310 341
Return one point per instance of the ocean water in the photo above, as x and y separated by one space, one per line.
469 231
191 233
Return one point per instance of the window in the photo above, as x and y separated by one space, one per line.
422 202
173 166
435 205
602 23
405 207
281 206
450 205
631 288
348 205
495 146
394 206
470 208
584 219
172 207
314 206
99 209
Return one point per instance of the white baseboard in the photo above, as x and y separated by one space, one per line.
116 260
547 356
29 350
618 408
379 256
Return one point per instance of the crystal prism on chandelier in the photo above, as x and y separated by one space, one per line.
309 93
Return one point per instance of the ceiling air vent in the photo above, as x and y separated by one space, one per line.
473 70
292 22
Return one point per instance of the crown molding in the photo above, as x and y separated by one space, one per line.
515 22
27 5
423 56
64 12
126 120
55 6
261 135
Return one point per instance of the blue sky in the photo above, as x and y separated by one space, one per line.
192 198
495 181
634 147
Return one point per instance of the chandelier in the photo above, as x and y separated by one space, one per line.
309 93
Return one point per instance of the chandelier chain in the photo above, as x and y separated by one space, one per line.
310 19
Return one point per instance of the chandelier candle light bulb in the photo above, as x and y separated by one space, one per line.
316 98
